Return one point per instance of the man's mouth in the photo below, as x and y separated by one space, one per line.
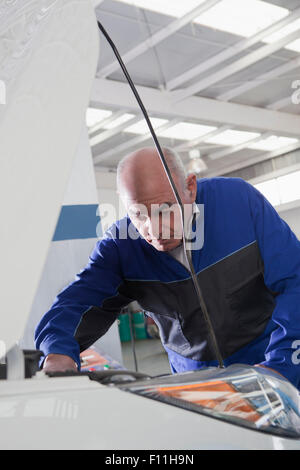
162 242
157 241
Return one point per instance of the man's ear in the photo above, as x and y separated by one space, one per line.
191 186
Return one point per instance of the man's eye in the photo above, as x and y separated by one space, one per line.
139 215
164 208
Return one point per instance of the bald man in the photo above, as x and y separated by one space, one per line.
246 258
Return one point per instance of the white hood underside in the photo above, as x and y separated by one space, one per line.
48 55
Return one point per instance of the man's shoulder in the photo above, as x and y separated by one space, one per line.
223 190
120 232
116 228
114 237
221 181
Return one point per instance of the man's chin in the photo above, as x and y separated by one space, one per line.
165 245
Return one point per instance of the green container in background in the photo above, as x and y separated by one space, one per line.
139 325
124 327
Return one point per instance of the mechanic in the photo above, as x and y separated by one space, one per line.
246 258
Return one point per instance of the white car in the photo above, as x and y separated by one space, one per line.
240 407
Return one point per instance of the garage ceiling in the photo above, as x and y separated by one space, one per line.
216 79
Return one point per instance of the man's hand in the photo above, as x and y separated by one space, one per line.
59 363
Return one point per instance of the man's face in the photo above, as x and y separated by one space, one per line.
154 212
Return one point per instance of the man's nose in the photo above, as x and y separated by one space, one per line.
153 227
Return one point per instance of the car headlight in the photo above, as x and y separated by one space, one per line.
248 396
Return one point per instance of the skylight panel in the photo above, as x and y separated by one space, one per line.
175 8
118 121
242 17
93 116
288 29
141 127
272 143
186 131
232 137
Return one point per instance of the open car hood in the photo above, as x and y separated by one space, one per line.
48 54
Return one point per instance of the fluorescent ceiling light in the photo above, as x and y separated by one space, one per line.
186 131
197 165
93 116
288 29
176 8
232 137
118 121
242 17
141 127
194 154
272 143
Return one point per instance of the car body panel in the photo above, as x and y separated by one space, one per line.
77 413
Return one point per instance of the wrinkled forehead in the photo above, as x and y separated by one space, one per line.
147 191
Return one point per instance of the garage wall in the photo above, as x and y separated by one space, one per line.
111 207
73 240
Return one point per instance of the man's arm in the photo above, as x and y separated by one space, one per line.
59 363
280 251
83 311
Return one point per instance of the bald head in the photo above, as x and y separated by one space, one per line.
145 190
145 164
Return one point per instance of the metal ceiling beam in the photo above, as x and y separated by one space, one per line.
186 146
235 67
257 81
100 125
283 103
205 110
260 157
231 51
237 148
230 150
130 143
158 37
112 132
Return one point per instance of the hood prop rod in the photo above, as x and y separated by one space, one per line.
198 291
